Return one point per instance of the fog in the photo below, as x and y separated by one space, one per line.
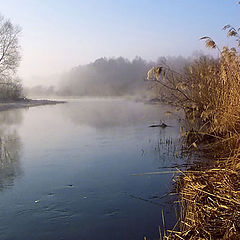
106 77
119 112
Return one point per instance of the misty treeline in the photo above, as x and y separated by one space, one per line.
105 77
10 85
108 77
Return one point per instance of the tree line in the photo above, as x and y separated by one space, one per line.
107 77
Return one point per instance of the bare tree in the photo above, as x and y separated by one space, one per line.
9 55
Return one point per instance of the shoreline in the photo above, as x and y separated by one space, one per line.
26 103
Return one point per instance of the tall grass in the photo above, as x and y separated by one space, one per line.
208 91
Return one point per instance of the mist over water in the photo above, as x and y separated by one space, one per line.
70 176
111 113
107 77
89 148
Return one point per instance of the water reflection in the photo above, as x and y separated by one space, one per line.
10 118
10 147
104 114
78 171
123 118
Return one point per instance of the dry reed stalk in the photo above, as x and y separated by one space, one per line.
210 202
209 192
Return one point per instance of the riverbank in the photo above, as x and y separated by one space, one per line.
209 188
25 103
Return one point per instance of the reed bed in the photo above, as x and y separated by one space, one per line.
208 91
210 202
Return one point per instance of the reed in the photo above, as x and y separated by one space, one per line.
210 202
208 91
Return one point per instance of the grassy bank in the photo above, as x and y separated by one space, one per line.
208 91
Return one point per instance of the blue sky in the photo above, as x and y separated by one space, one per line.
58 35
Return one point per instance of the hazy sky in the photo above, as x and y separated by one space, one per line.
60 34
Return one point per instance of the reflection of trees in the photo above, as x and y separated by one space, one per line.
110 113
10 147
9 118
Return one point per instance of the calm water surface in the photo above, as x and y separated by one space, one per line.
66 171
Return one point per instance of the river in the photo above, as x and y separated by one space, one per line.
67 170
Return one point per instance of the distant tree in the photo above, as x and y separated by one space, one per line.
9 59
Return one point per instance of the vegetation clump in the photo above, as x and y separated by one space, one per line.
207 90
210 201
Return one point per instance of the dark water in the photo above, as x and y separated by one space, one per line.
66 170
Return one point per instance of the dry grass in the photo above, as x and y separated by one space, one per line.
209 192
210 202
208 92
